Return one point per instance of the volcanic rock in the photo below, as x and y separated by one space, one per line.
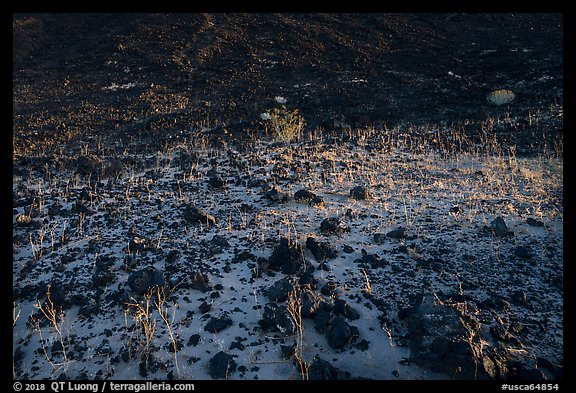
287 257
343 308
312 302
215 325
333 225
360 193
277 318
339 333
398 233
221 365
194 215
86 165
499 228
304 195
276 195
278 292
534 223
437 339
321 250
145 279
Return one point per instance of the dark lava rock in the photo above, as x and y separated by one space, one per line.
287 351
220 241
343 308
333 225
221 365
17 358
534 223
199 281
204 307
348 249
437 340
322 320
139 244
103 278
215 325
172 256
194 215
372 259
519 298
130 262
321 370
26 291
494 304
339 333
398 233
193 340
360 193
500 333
309 197
312 302
329 289
521 372
86 165
363 345
523 252
88 310
57 295
317 201
278 292
321 250
113 167
237 345
307 278
304 195
258 182
216 182
145 279
287 257
277 318
499 228
276 195
404 312
379 238
85 195
242 256
556 371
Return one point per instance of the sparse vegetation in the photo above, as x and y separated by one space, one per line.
145 323
284 125
294 306
410 178
109 182
56 321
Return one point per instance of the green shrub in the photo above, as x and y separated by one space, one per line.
283 124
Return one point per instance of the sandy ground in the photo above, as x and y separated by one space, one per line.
82 228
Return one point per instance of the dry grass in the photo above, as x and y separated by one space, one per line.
410 172
56 320
146 323
163 311
294 306
367 287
